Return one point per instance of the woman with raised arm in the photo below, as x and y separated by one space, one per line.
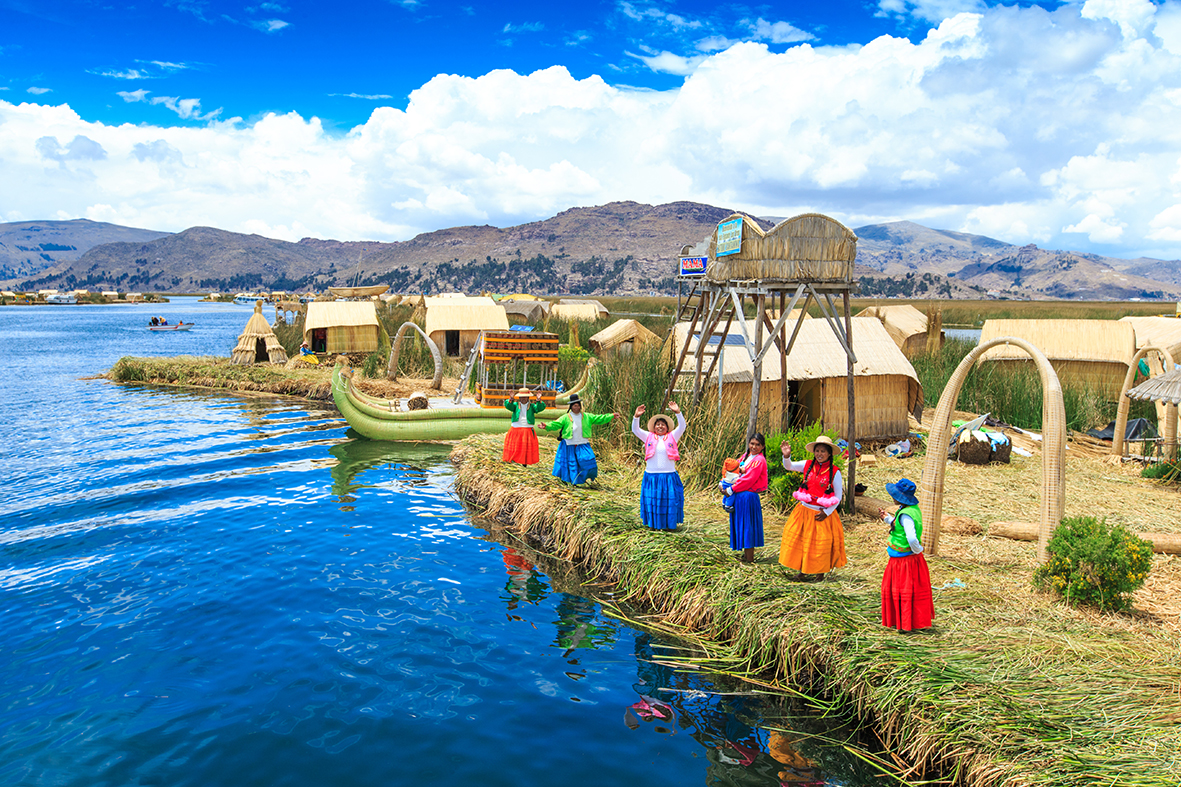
814 538
662 496
520 444
746 508
575 461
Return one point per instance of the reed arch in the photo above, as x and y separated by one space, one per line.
1053 446
392 370
1169 431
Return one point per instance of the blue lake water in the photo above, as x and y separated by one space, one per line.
205 589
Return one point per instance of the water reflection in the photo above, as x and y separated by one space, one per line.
408 461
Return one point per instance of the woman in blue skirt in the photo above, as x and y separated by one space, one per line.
746 508
662 497
575 461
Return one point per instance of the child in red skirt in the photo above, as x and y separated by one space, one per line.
907 603
520 444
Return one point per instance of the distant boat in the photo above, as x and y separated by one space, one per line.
247 298
61 297
180 326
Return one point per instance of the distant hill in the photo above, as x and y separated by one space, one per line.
29 247
621 247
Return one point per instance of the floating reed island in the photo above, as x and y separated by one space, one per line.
1010 687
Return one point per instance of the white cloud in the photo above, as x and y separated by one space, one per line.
165 65
40 91
654 15
131 73
186 108
524 27
270 25
368 96
669 63
777 32
929 10
131 96
1019 123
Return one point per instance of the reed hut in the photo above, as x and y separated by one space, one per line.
1091 353
622 336
886 388
599 309
527 311
906 325
574 311
454 322
341 327
809 247
1163 332
258 343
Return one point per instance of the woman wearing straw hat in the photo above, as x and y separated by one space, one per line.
662 496
813 538
520 444
575 461
906 586
746 508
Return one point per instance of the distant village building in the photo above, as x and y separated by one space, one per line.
906 325
454 321
579 309
258 343
1092 353
623 336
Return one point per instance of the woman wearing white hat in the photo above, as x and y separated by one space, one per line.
520 444
662 496
814 538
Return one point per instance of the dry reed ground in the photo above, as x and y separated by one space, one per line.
1010 688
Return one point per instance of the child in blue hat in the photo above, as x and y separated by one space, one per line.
907 603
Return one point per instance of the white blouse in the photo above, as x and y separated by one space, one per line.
576 437
660 463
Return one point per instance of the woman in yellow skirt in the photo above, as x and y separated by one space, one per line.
813 538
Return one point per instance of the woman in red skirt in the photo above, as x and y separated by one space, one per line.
520 444
906 586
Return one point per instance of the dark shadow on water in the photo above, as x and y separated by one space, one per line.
358 454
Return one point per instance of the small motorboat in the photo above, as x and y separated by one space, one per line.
180 326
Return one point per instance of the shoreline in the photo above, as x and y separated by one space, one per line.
1009 687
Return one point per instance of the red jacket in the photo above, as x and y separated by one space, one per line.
754 475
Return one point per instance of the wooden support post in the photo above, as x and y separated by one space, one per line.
752 421
784 399
851 437
684 351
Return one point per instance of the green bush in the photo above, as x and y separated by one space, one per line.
1168 472
374 366
1094 563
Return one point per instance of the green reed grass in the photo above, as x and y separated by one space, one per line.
215 372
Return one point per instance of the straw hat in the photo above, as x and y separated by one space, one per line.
660 417
822 440
524 392
903 492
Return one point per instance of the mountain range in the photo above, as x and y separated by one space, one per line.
618 248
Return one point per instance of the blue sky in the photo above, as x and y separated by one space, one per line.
1051 123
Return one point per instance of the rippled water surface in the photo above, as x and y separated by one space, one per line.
201 589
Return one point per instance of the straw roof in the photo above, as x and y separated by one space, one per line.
520 296
815 355
622 331
574 311
449 313
1158 331
337 314
529 310
809 247
257 327
1092 341
599 307
1162 388
901 321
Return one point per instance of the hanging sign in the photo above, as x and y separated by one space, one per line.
729 238
693 266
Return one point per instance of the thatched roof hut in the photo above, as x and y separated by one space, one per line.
622 336
906 325
454 323
341 327
886 387
530 310
567 308
1164 332
1093 353
1162 388
809 247
257 343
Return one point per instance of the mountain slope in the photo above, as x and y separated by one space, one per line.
29 247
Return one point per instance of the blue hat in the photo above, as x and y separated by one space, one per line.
903 492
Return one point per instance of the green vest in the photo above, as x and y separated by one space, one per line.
898 540
514 408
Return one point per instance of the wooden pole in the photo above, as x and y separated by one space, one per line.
783 397
752 421
851 437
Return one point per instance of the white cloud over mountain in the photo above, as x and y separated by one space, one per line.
1061 128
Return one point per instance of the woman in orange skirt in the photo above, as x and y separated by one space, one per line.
520 444
813 538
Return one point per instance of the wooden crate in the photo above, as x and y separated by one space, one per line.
509 346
